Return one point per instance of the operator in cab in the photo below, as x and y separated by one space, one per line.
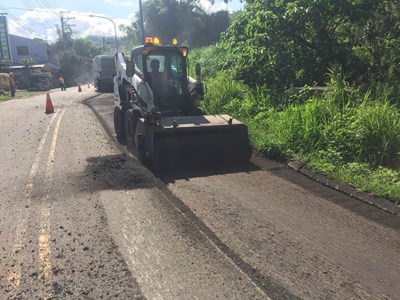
167 96
159 84
159 81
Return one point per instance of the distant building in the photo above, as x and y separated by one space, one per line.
39 51
34 63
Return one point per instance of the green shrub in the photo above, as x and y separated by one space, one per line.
210 59
379 133
224 95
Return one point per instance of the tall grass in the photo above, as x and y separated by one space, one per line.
343 133
224 94
379 133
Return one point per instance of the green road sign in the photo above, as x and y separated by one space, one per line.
5 54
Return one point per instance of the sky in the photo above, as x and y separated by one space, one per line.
38 18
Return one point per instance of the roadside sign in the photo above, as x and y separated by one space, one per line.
5 54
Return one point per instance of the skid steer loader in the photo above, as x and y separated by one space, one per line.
157 112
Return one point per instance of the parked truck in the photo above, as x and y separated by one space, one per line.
103 72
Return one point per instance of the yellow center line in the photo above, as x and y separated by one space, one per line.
35 165
50 160
45 229
14 278
44 242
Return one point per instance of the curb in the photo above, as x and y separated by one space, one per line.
378 202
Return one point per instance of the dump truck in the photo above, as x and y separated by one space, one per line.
157 112
103 72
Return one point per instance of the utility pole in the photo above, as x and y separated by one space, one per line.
141 20
64 26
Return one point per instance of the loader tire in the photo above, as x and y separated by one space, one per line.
141 152
119 123
131 117
99 87
137 148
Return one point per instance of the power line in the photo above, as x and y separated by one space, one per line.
18 22
48 7
36 12
53 7
49 25
56 6
27 9
31 5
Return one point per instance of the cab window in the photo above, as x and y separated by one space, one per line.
137 58
161 60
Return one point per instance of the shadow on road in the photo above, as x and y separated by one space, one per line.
171 175
121 172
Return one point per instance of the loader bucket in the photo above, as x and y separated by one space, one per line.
199 141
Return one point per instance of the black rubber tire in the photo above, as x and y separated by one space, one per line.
119 123
104 88
129 129
139 150
131 118
98 85
142 151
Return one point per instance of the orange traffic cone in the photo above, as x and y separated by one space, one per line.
79 88
49 105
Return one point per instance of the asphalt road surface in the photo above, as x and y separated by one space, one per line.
81 218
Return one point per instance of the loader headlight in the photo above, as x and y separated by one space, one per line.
184 51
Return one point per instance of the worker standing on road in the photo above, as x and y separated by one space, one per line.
62 83
12 84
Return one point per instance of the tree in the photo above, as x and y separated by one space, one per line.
85 48
131 37
162 19
76 59
183 20
26 61
294 42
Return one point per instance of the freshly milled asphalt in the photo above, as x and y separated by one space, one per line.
81 218
293 236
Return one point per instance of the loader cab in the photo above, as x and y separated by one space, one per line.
164 68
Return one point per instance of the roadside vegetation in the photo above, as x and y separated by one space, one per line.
350 128
19 94
343 133
4 98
